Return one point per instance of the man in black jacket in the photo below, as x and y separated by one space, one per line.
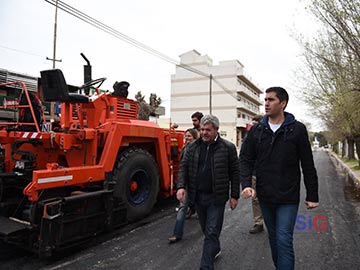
209 169
275 148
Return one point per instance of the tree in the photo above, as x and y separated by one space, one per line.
342 18
321 138
333 63
154 103
145 109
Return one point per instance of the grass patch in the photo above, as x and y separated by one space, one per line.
350 161
357 168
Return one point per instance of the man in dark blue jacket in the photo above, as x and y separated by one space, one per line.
209 170
275 148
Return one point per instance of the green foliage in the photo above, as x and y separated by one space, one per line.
350 160
321 138
332 81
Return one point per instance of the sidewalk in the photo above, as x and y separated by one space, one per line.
353 174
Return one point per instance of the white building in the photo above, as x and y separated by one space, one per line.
235 99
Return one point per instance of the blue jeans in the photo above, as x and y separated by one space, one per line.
180 217
280 221
211 217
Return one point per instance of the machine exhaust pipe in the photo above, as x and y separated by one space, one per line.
87 73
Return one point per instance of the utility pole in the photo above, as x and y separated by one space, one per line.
53 104
55 31
210 95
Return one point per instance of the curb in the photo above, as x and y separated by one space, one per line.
339 163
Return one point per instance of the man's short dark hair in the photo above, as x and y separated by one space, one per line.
280 93
198 115
257 118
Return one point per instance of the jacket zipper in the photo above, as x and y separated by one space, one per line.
272 139
274 135
206 157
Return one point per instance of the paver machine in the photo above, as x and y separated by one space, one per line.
92 170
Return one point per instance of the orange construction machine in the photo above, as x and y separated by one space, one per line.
94 169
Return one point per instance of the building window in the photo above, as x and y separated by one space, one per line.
223 133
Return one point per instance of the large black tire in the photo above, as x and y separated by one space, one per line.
137 182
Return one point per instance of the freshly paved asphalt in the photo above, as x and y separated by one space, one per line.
332 241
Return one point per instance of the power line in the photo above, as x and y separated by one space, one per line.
20 51
84 17
105 28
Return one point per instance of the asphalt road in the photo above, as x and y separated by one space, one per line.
325 238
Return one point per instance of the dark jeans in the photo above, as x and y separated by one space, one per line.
280 221
211 217
180 217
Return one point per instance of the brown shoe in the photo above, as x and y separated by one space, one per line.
173 239
256 229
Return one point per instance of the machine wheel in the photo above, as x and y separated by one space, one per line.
137 182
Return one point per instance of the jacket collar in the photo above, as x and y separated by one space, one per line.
217 139
289 119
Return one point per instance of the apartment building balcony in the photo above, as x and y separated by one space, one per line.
252 110
248 89
246 93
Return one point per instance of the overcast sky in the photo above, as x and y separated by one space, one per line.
256 32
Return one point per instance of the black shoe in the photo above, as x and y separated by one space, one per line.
256 229
173 239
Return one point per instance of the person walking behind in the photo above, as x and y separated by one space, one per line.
257 214
195 118
275 149
190 135
209 170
